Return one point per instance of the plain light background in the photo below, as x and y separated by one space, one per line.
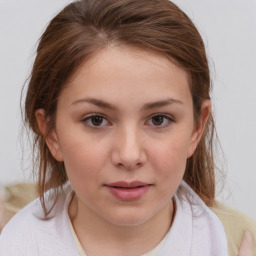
229 31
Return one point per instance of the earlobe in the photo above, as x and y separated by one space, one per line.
199 128
51 137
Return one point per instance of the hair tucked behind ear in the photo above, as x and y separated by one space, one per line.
84 27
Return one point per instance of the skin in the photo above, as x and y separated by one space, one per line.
129 145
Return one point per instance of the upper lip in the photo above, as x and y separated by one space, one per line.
124 184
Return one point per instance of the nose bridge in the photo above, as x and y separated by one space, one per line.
129 150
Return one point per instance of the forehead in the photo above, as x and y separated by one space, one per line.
130 73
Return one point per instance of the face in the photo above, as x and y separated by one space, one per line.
124 129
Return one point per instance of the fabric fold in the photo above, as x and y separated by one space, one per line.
196 230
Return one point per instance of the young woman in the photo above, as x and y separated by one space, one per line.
119 104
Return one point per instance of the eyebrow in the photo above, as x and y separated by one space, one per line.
147 106
161 103
97 102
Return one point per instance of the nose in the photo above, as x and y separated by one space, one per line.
128 152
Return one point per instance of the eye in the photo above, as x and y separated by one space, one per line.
95 121
160 120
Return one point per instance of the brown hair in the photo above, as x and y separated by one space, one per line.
84 27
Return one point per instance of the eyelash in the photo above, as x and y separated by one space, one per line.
166 118
88 120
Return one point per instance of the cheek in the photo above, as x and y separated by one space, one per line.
83 160
170 157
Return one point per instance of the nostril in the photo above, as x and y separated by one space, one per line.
130 166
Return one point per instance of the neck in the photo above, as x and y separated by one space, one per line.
92 230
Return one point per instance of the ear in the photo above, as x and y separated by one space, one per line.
199 128
51 138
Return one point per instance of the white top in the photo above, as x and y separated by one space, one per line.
195 231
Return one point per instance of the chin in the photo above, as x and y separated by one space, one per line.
128 218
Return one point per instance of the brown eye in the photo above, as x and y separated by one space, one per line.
97 120
160 121
157 120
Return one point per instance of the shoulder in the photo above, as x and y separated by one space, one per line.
234 223
20 231
27 233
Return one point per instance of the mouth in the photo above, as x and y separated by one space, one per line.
128 191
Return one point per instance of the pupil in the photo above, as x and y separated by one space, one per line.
97 120
157 120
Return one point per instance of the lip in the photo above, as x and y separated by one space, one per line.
128 191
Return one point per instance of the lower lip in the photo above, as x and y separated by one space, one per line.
129 194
